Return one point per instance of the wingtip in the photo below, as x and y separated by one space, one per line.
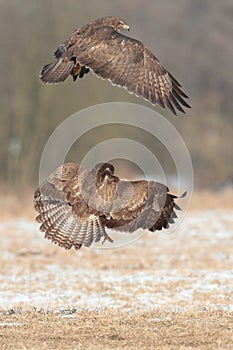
183 195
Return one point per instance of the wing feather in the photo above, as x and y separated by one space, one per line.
63 213
128 63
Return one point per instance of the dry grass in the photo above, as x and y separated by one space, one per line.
212 200
108 329
15 205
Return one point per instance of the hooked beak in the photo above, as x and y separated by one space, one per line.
125 26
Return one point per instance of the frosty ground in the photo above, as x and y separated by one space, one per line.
163 291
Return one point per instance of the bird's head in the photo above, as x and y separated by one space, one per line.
104 172
120 24
115 22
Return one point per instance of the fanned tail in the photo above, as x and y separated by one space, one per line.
57 71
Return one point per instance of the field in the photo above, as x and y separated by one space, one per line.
164 291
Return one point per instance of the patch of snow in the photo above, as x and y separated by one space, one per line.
9 324
141 289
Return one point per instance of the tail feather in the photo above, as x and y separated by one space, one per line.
56 71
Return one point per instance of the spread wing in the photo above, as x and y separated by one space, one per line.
63 213
75 205
151 207
128 63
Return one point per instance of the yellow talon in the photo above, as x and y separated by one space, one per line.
77 69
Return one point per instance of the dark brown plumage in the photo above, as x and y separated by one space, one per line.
101 48
76 205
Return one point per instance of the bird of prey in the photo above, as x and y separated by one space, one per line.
76 205
101 48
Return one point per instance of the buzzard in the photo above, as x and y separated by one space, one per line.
124 61
76 205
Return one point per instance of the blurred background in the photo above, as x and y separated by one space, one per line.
193 39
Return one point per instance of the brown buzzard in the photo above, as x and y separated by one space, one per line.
101 48
75 205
